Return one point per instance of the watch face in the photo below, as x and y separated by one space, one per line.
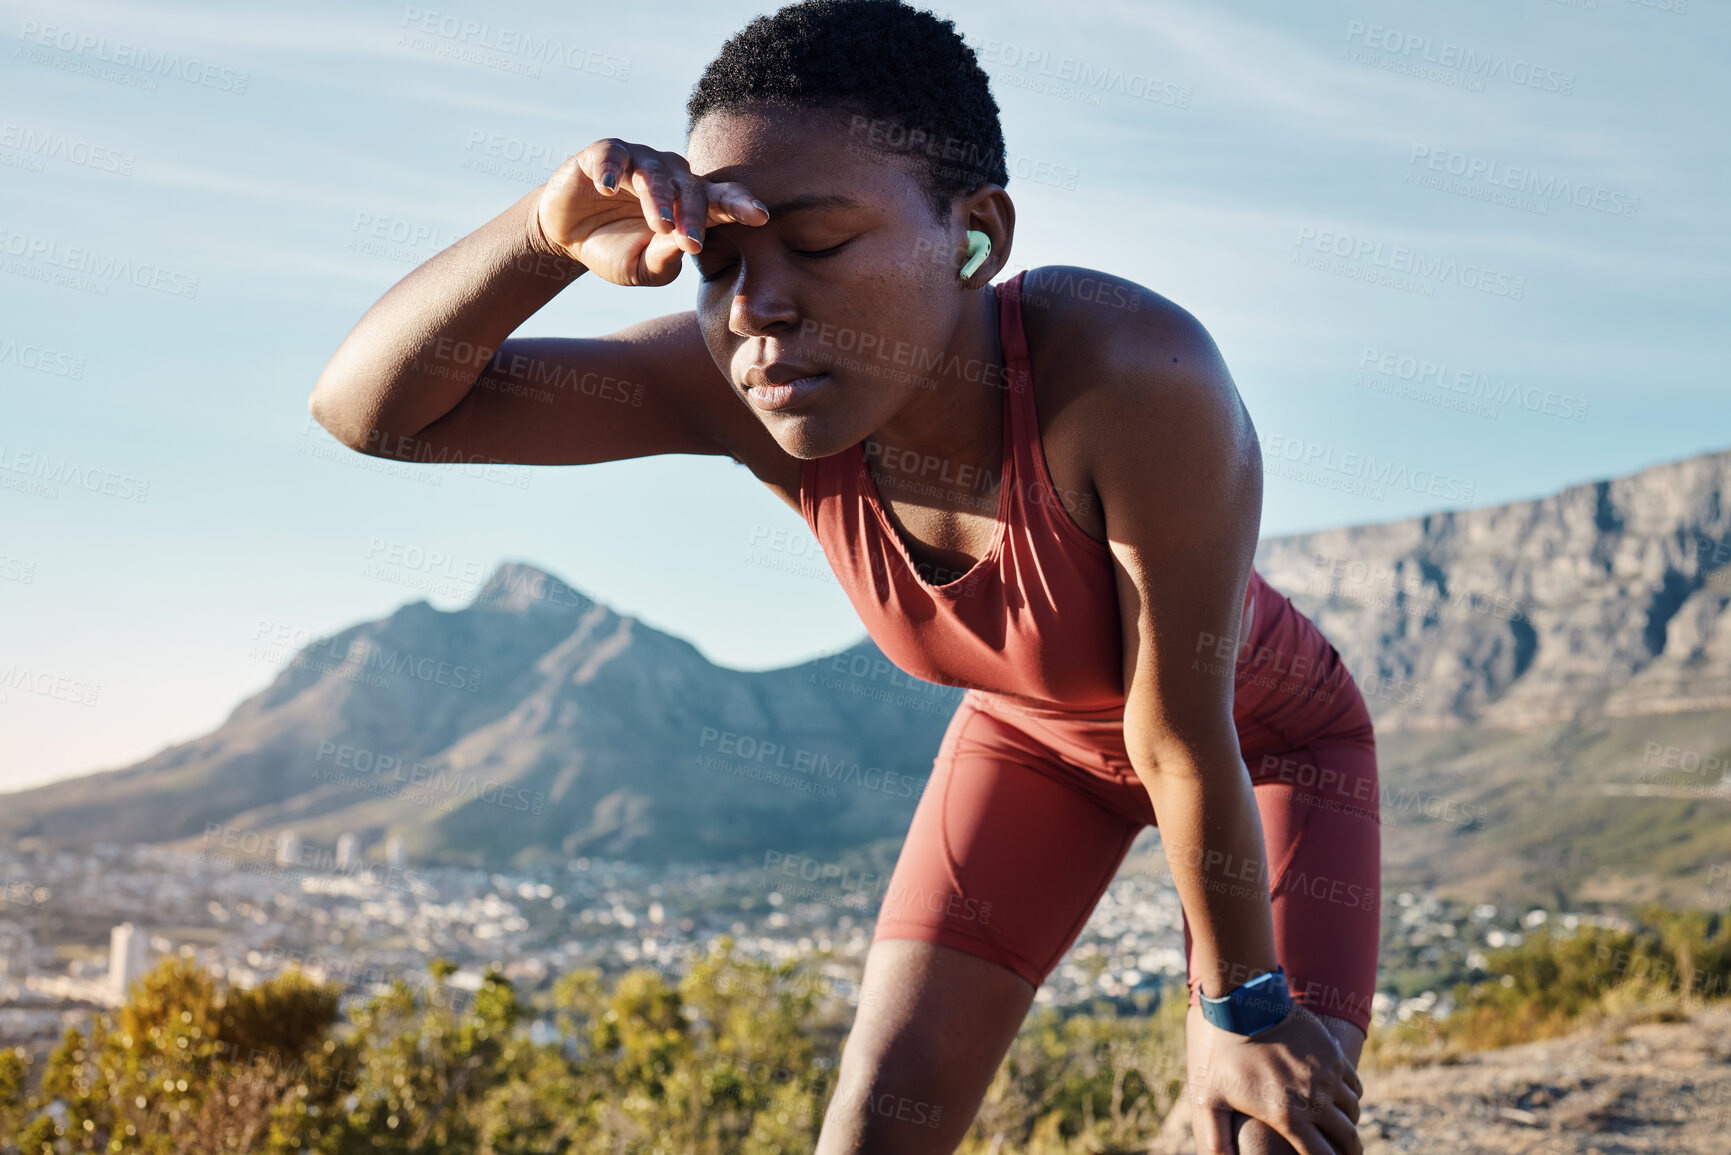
1252 1006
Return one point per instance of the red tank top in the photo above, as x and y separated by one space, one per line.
1035 621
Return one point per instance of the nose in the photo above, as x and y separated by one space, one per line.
761 305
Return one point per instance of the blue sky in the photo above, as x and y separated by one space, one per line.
1483 241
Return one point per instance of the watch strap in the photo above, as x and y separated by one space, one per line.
1251 1007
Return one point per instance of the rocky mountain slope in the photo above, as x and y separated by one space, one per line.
533 722
1612 597
1522 663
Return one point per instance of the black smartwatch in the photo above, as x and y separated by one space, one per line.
1251 1007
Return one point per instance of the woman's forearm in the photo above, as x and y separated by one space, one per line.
415 354
1212 834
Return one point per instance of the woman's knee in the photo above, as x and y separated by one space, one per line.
893 1110
910 1095
933 1025
1254 1137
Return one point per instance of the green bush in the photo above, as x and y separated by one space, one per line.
734 1058
1555 982
1084 1083
725 1061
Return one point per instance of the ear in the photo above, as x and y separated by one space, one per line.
988 210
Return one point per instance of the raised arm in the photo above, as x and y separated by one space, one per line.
431 372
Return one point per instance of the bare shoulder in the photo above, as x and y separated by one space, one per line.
1104 333
1124 366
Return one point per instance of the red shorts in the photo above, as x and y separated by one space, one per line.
1027 816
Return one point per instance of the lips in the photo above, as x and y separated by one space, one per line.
777 373
771 397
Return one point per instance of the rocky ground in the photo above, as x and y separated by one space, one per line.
1612 1089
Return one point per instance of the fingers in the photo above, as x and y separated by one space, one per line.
700 203
616 167
1308 1139
1316 1117
1346 1100
1351 1079
655 190
1340 1131
676 202
604 163
1340 1085
1301 1087
732 202
1322 1125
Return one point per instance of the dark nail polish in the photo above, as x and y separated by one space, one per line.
693 233
610 179
667 215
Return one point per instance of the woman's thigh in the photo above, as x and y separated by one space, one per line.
1321 826
1007 855
1009 849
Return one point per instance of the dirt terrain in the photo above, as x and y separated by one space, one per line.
1607 1090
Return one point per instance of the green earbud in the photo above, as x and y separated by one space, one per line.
979 248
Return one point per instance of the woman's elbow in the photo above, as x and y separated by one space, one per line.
326 407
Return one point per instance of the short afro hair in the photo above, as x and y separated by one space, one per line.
908 82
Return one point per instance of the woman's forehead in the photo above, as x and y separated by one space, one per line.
820 168
771 139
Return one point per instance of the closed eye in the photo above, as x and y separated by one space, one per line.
814 253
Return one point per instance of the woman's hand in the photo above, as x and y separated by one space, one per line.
1294 1077
627 212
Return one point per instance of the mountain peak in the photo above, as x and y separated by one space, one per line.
518 587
